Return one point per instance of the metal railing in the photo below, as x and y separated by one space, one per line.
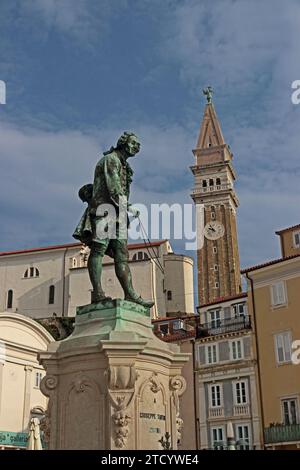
218 327
282 433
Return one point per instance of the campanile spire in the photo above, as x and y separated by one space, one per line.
218 259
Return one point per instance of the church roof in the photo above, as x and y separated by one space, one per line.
131 246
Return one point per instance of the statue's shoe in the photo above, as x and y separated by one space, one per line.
97 298
140 301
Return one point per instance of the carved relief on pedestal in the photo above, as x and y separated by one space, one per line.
177 386
121 377
121 388
121 432
48 388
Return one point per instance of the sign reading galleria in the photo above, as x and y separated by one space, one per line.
17 439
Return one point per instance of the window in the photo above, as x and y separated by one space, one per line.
290 411
169 295
216 285
218 182
216 267
10 298
217 437
211 182
240 392
211 354
31 272
164 328
278 294
140 256
239 310
213 215
283 347
38 379
215 318
74 263
215 250
243 436
216 399
178 325
296 236
236 349
204 184
51 294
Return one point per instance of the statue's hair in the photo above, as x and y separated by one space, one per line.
124 137
84 191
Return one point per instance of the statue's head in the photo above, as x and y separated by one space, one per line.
86 193
130 143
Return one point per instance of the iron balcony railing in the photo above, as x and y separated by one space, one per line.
218 327
282 433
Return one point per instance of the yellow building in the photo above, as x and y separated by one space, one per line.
273 293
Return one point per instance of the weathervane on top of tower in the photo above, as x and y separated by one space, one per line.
208 92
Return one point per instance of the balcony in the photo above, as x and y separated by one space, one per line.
282 433
210 189
241 410
219 327
216 412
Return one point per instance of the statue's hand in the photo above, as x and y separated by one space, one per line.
133 211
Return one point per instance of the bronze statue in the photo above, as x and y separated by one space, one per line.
208 92
102 224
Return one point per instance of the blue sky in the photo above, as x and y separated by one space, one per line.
79 72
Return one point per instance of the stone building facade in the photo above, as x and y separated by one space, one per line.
53 281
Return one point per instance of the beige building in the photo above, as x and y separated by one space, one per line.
51 280
273 291
225 371
21 338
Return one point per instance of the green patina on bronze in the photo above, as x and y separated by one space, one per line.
208 92
111 189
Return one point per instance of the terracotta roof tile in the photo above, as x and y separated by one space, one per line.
268 263
224 299
279 232
131 246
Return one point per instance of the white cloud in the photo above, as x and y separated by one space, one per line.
84 20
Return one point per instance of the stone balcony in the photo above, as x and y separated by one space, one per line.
210 189
241 410
216 412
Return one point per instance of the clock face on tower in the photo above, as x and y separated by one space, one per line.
214 230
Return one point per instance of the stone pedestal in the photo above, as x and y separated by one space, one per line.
112 384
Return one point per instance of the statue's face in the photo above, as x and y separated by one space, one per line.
132 145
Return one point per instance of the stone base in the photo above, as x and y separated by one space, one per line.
112 384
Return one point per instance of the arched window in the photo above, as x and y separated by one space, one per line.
51 294
10 298
31 272
204 184
211 182
169 295
74 263
218 182
140 256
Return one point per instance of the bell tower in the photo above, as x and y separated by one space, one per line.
218 259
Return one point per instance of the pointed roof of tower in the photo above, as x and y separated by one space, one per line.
210 132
